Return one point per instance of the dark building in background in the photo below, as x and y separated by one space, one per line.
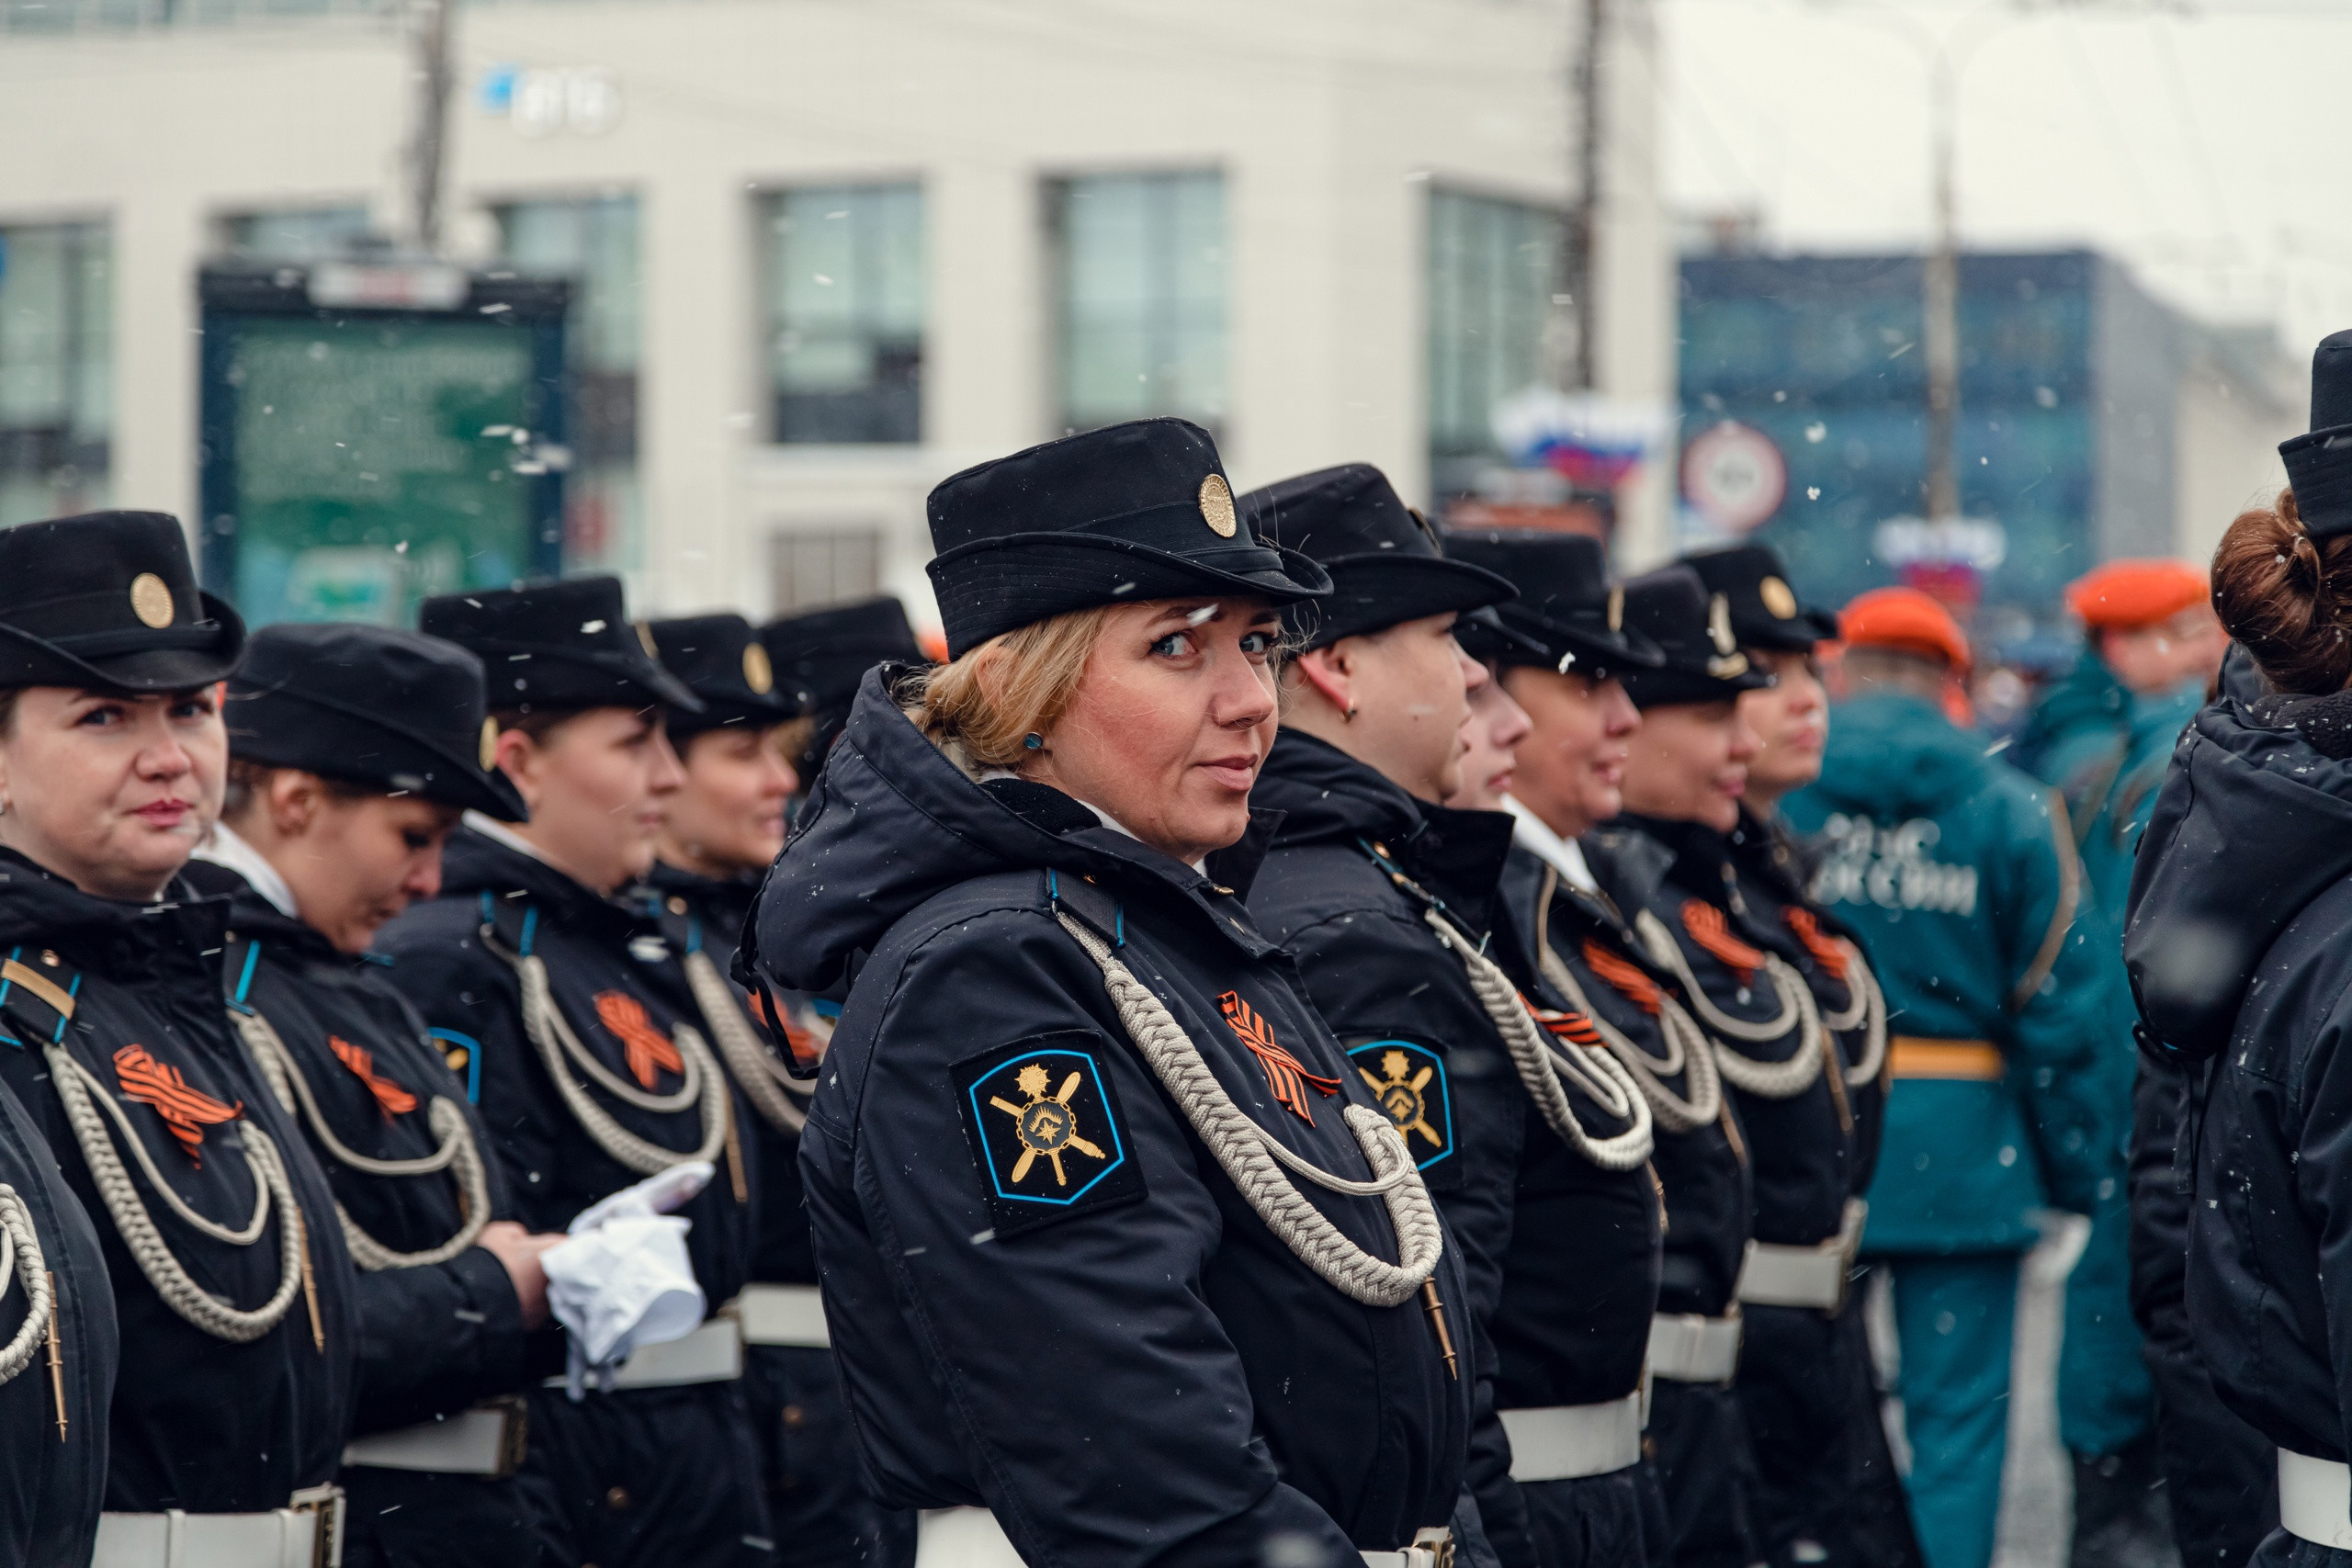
2095 422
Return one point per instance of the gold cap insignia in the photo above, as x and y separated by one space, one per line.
1616 609
1719 625
1777 599
758 673
486 748
1216 507
1727 666
151 601
645 639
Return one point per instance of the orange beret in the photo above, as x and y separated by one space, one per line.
2136 592
1907 621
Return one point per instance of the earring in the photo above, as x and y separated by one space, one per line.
1033 741
1350 715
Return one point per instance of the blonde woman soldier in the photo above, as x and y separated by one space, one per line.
1116 1246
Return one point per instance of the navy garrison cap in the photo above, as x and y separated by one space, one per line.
2319 464
1383 556
1693 628
392 710
1765 610
1567 616
823 654
557 644
723 662
107 600
1129 513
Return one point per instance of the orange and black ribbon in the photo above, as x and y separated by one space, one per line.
1566 1025
1285 1073
1829 954
186 1112
391 1097
649 1050
1710 929
1624 975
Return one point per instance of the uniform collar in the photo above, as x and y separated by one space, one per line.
231 851
1534 835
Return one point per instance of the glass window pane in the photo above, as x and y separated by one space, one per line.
1142 283
845 290
295 235
1491 269
56 369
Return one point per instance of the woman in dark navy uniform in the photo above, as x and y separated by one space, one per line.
233 1288
1114 1243
597 1067
1535 1146
57 1355
2235 947
720 832
352 750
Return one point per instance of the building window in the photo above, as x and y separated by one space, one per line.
813 568
56 369
1491 269
593 242
1141 283
294 235
844 268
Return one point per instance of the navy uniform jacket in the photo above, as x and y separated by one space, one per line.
1798 1149
1562 1255
54 1483
698 913
1704 1172
434 1340
1115 1354
199 1423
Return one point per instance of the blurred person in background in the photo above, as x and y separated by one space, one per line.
819 655
1388 899
2104 736
1829 1492
720 832
596 1069
352 750
1959 873
233 1288
2237 959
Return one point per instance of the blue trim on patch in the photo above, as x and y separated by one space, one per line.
245 980
74 991
5 985
530 928
824 1008
473 1059
980 1109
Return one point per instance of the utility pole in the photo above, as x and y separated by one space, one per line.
1942 306
427 151
1582 231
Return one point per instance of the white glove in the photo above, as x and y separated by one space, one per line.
623 1280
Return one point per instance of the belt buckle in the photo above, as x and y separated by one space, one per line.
324 1505
514 1413
1433 1547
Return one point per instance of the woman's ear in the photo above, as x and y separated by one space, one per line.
294 798
518 757
1329 672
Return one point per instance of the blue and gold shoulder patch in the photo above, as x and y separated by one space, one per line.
1044 1124
1408 1081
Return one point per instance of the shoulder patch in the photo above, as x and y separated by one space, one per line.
1046 1127
1408 1082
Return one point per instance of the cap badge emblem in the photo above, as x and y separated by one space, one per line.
645 639
486 748
1719 624
758 673
1216 507
1777 599
151 601
1617 609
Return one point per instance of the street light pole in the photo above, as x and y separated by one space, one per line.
427 148
1585 229
1943 307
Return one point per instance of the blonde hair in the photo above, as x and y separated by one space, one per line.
979 708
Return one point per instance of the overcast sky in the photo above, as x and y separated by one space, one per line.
2203 143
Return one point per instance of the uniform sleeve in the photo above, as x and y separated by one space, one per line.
434 1340
2322 1157
2060 970
467 996
1094 1319
1372 975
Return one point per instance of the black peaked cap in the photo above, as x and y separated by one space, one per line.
823 654
1567 616
1765 610
722 662
557 644
393 710
108 600
1383 556
2319 464
1129 513
1693 628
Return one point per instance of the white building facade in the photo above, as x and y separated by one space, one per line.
828 253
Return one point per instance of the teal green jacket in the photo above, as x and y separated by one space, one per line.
1962 882
2106 749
